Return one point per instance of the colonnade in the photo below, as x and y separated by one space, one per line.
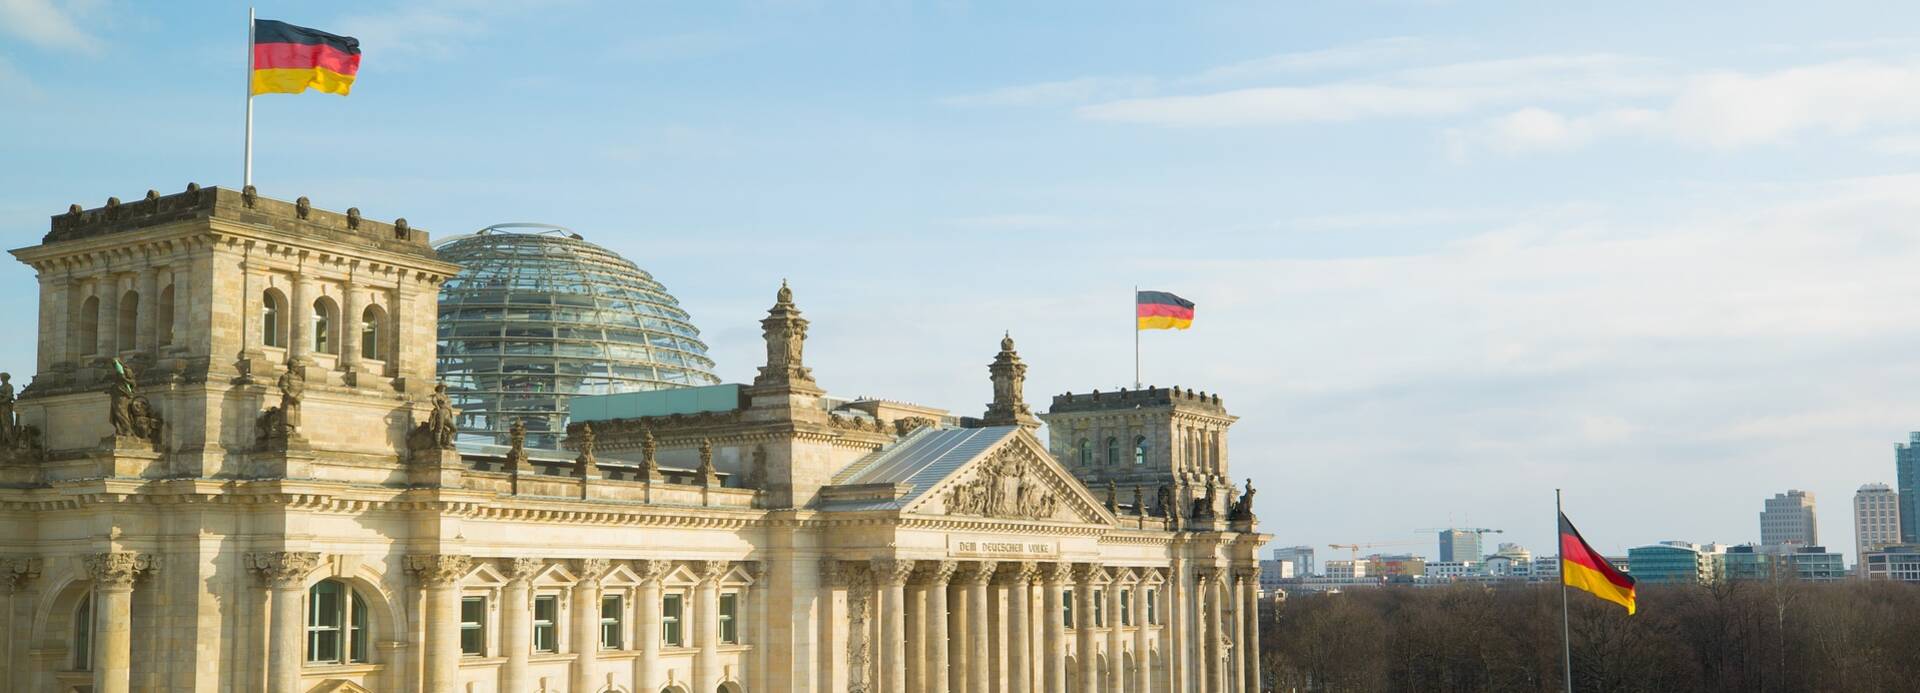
946 626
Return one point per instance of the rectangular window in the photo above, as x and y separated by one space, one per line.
729 628
670 620
1066 607
1153 606
473 626
610 635
1126 607
1099 608
83 635
545 639
323 622
357 629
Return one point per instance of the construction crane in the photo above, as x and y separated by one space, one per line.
1475 530
1355 548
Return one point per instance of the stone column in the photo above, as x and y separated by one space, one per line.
17 574
113 575
439 577
300 321
285 573
1019 630
934 626
957 632
1085 575
1201 599
646 628
977 642
996 634
1142 652
585 616
916 616
1175 638
108 325
516 622
144 332
1250 618
349 326
1216 637
706 659
183 306
890 576
1054 650
1116 670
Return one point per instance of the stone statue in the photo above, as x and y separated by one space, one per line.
516 445
1163 501
708 476
7 434
1243 510
440 420
1003 487
1204 505
293 391
649 469
586 462
1113 490
121 391
1139 502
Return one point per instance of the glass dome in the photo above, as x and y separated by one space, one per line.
537 314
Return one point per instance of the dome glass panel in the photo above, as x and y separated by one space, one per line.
537 314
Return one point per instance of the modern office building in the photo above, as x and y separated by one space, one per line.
1801 563
1906 482
1816 564
1876 521
1746 562
1400 564
1899 563
538 315
1788 519
213 483
1301 557
1675 562
1347 568
1458 545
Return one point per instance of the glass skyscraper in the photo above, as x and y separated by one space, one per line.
1907 482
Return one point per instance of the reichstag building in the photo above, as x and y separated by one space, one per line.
244 463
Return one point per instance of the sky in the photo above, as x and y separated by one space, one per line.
1447 256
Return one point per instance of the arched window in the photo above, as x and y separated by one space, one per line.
1140 450
370 321
273 323
326 316
81 649
89 333
128 324
336 624
163 316
1113 450
1086 452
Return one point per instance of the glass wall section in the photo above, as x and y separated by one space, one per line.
537 314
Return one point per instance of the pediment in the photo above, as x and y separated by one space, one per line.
1015 480
338 686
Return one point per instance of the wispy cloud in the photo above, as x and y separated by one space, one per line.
1369 53
1061 93
46 24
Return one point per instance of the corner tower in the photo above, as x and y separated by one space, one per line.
1146 439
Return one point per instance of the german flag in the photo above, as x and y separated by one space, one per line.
1159 310
1583 568
290 59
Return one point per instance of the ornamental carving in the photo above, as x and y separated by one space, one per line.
283 569
1019 573
118 569
17 571
439 570
712 571
651 572
1006 485
592 569
891 571
937 573
523 569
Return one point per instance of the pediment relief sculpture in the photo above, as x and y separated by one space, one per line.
1005 485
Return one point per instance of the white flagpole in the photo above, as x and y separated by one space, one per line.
1136 336
246 171
1566 631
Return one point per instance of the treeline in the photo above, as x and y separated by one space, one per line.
1739 636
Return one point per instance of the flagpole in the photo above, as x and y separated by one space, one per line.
246 170
1136 336
1566 637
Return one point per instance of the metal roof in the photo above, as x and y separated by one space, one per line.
921 460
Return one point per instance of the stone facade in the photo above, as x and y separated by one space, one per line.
232 472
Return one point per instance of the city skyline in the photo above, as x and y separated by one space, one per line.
1454 256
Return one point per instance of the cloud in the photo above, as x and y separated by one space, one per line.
42 23
1367 53
1533 130
1732 109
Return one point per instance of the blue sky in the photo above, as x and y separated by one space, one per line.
1447 256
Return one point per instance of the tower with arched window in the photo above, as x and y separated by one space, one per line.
1146 439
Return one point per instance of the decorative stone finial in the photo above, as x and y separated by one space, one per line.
153 197
708 475
786 335
193 188
353 218
248 195
1009 376
75 210
302 207
400 228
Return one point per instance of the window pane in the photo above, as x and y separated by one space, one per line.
83 634
543 631
610 636
473 630
357 636
670 619
729 631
